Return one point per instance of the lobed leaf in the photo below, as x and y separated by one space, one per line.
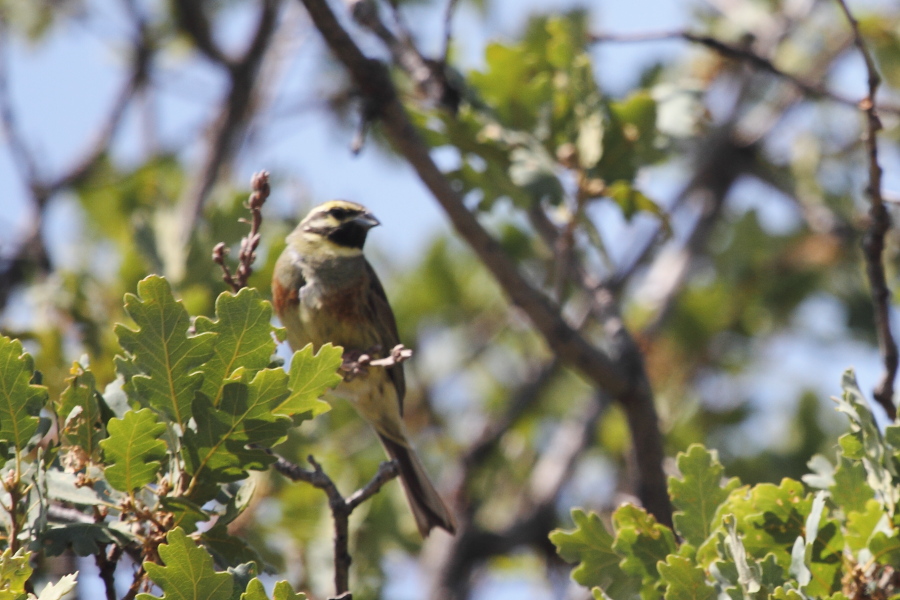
865 442
641 541
590 545
133 450
283 591
699 492
162 350
20 400
218 448
15 570
685 580
188 573
311 376
243 338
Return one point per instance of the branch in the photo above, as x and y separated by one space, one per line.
259 183
879 224
604 371
738 53
340 507
235 112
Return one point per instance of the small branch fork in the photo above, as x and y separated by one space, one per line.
260 186
879 224
341 508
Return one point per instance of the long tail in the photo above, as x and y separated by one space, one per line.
427 506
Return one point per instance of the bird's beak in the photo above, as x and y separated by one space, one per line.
367 220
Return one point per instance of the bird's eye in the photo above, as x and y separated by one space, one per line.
339 213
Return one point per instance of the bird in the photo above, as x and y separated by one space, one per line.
325 291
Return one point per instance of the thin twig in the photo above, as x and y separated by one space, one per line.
448 29
260 186
735 52
106 563
340 507
879 224
135 583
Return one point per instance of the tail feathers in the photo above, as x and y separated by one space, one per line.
427 506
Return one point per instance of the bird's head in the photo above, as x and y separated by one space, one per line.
338 228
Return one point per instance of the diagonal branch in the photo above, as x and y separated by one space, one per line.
621 376
879 224
735 52
236 109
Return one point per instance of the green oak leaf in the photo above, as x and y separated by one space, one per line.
188 573
885 548
15 570
218 447
282 591
20 401
243 338
311 376
862 524
850 491
133 450
866 442
161 348
641 541
79 412
772 518
685 580
590 545
699 492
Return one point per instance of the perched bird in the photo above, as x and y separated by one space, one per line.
324 290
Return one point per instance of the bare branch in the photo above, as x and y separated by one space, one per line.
428 75
340 507
735 52
235 113
879 224
260 186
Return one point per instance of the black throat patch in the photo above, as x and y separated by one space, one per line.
349 235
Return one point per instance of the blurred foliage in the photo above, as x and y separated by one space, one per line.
761 541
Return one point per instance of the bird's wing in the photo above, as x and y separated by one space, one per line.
387 330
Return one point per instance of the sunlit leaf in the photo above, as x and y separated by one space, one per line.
188 572
243 338
311 376
133 450
168 357
698 493
20 400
